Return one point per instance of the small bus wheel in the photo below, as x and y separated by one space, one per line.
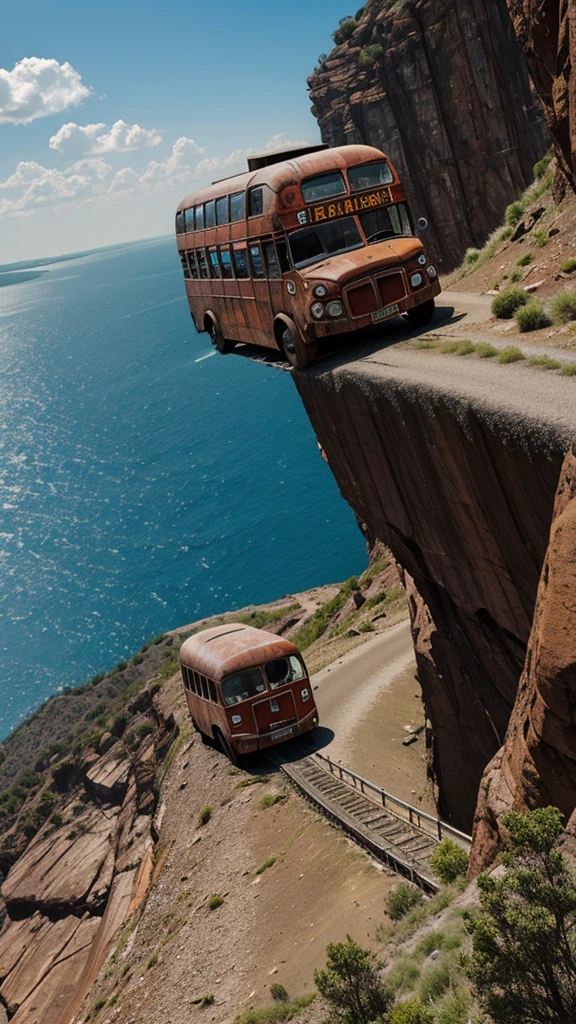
296 352
421 315
218 340
225 747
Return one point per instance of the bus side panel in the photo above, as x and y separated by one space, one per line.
196 303
206 714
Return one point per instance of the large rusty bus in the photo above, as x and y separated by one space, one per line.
246 688
305 245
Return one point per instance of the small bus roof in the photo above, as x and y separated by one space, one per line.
222 650
285 171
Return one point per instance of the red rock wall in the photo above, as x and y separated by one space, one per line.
537 763
546 31
463 498
449 100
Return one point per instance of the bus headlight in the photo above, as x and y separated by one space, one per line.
236 719
432 272
422 259
320 291
317 310
305 693
416 280
335 308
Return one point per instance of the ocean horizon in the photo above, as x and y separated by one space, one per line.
146 481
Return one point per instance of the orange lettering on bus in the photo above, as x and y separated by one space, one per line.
348 206
331 210
319 213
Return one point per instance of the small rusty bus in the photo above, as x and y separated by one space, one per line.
306 245
246 688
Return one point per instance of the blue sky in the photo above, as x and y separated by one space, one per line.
128 107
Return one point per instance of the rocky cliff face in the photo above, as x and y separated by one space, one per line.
546 31
537 764
461 490
441 87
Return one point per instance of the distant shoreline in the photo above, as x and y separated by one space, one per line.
43 261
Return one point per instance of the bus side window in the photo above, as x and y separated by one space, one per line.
222 210
213 694
282 255
180 222
201 255
184 263
255 202
189 219
226 262
271 260
209 214
241 263
192 264
196 684
256 261
237 206
204 682
214 264
199 217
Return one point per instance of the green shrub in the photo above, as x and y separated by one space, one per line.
207 1000
569 370
515 276
434 982
524 260
404 897
458 348
510 354
505 305
568 266
472 256
145 729
279 993
99 1004
215 901
278 1012
315 626
266 864
152 961
564 307
345 30
351 984
251 780
449 860
425 344
545 362
540 168
271 799
532 317
404 975
204 814
369 55
514 213
540 237
430 942
410 1012
485 350
454 1009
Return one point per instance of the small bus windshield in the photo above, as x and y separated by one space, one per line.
284 670
243 685
309 245
369 176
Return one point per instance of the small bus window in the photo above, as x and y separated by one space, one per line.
214 264
189 219
271 260
212 689
385 222
284 670
180 222
241 263
192 264
222 210
184 263
204 684
255 202
201 256
369 176
197 689
226 262
282 255
242 686
322 186
199 217
237 204
256 261
209 215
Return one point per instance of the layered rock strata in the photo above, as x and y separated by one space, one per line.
537 764
461 489
546 31
442 87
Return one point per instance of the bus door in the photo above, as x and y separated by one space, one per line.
247 318
273 262
262 314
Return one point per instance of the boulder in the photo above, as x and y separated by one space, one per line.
107 777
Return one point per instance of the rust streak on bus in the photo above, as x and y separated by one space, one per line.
306 245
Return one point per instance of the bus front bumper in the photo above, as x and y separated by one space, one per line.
318 329
261 741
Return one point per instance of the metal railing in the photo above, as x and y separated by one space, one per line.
414 815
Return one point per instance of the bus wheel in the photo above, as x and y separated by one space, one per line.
296 352
219 341
421 315
225 747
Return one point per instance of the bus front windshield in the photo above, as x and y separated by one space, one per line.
242 685
309 245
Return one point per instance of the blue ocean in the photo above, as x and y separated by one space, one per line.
145 481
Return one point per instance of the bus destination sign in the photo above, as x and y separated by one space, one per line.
354 204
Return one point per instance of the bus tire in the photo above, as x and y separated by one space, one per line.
421 315
225 747
296 352
221 344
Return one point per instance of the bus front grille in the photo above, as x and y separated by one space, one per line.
391 288
375 293
362 299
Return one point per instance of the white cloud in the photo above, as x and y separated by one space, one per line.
37 87
236 162
73 139
282 141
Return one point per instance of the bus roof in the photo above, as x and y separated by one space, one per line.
283 173
222 650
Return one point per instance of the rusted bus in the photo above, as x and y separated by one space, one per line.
246 688
303 246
